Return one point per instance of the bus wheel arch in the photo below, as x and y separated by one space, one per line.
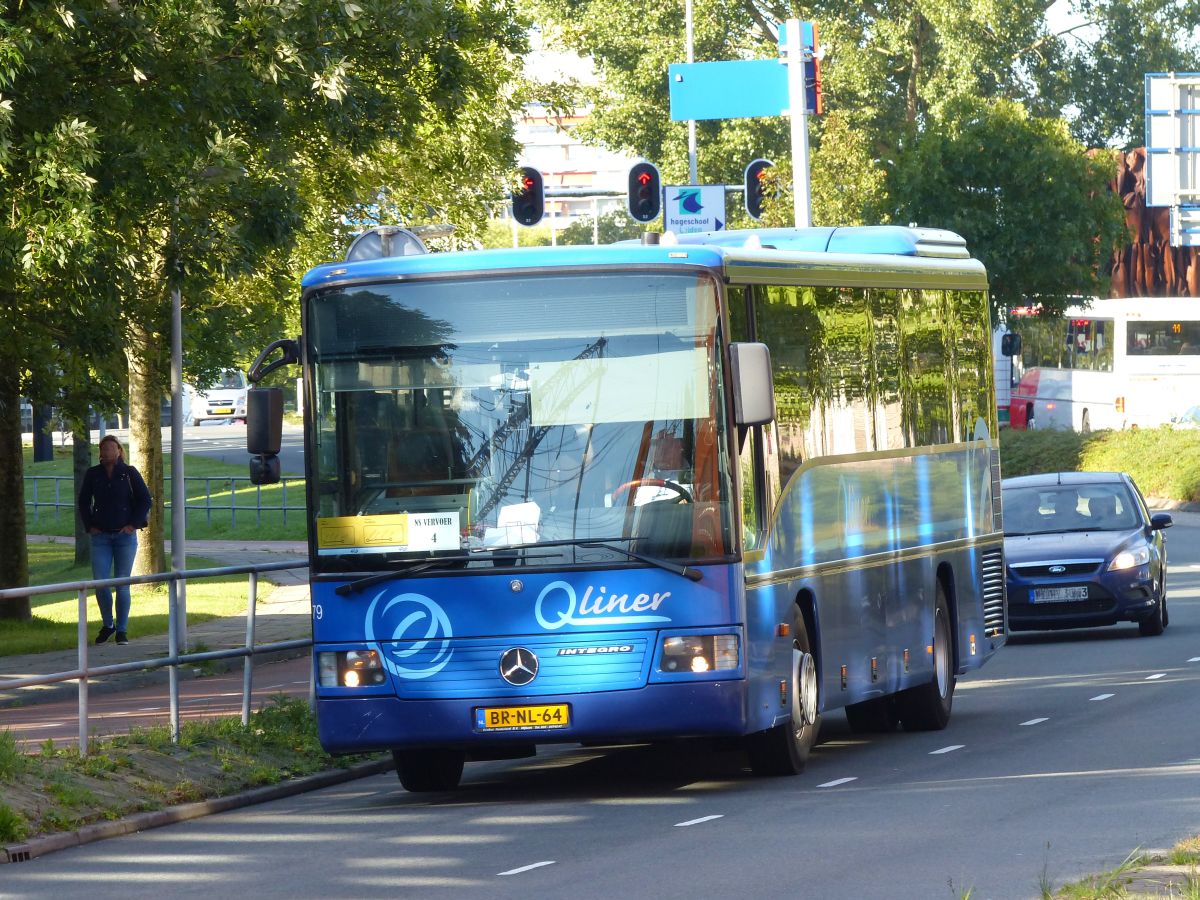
784 749
927 707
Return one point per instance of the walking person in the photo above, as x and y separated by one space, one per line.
113 504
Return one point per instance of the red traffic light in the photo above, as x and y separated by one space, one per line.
529 198
645 192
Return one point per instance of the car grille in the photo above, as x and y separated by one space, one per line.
992 576
1042 569
1035 610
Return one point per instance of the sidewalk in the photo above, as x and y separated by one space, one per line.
282 614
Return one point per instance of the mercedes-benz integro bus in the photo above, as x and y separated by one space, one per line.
711 487
1113 363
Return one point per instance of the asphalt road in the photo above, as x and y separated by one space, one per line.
227 443
1066 752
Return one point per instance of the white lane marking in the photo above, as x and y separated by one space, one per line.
271 687
47 725
837 782
949 749
1103 696
1037 721
1155 677
698 821
150 709
1194 659
305 681
537 865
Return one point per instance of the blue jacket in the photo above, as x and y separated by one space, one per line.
112 503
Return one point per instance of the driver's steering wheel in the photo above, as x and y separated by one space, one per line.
685 495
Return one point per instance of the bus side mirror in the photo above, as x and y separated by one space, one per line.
264 433
1010 344
753 386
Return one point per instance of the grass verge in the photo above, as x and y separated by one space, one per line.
59 790
56 616
204 522
1138 876
1165 462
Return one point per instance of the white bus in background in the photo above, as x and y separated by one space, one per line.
225 400
1115 363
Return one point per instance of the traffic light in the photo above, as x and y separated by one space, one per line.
645 192
528 196
756 187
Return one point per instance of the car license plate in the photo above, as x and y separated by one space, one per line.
522 718
222 410
1057 595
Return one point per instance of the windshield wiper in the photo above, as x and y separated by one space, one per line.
686 571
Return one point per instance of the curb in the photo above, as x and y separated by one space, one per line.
40 846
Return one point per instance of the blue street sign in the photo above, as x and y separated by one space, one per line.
727 90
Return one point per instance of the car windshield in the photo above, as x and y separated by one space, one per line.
1076 507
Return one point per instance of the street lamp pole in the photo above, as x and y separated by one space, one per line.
688 28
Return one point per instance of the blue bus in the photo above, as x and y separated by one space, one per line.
714 486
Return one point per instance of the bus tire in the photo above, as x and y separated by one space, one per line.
875 716
429 770
784 749
926 707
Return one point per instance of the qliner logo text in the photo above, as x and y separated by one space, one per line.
588 651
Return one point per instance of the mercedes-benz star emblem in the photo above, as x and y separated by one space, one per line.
518 666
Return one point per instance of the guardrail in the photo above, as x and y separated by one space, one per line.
36 503
174 658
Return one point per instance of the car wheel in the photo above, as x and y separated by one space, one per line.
429 770
1154 624
877 716
784 749
926 707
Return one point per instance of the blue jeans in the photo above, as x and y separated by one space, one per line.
112 557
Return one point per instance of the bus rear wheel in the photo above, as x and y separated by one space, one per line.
429 770
784 749
927 706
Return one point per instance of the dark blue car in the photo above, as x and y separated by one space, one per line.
1082 549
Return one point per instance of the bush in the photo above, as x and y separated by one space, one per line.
1165 462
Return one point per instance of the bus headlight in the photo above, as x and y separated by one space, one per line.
350 668
1130 559
699 653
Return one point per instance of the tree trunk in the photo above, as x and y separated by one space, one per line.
82 458
14 552
148 374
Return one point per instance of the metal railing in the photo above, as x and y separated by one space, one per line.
173 659
37 503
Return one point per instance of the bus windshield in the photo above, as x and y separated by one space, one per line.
511 411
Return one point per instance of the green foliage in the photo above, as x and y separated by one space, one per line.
981 172
13 825
12 761
611 227
1164 462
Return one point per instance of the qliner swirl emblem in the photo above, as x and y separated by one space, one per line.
420 628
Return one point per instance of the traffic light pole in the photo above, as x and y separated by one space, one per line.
692 176
797 99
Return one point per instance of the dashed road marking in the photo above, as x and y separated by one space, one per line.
1194 659
1038 721
1155 677
949 749
1103 696
536 865
838 781
150 709
698 821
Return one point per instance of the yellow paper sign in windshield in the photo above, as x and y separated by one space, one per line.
362 534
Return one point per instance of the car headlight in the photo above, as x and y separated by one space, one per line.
1130 559
350 668
699 653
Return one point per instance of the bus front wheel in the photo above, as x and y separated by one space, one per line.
429 770
784 749
927 706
